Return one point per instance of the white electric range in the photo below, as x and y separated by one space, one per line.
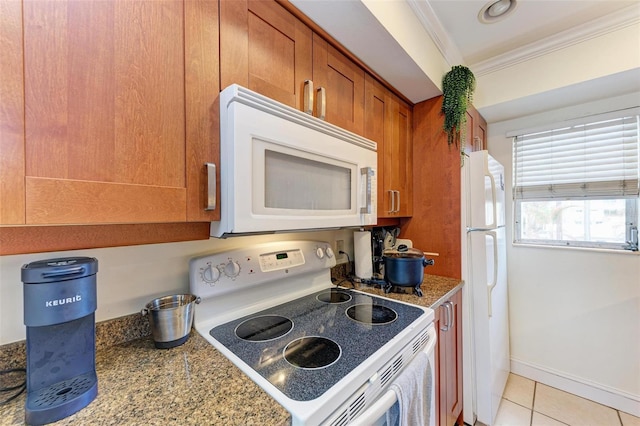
327 354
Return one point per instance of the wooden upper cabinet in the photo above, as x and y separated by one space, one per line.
400 150
343 82
375 128
265 48
476 131
479 132
388 122
118 102
202 109
11 114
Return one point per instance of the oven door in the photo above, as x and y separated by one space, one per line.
386 410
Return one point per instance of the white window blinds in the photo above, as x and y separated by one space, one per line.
599 159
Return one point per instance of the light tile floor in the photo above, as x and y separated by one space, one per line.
529 403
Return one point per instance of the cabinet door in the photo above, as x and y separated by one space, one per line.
476 131
343 82
479 132
388 123
104 93
440 384
202 112
265 48
11 114
377 128
399 150
450 360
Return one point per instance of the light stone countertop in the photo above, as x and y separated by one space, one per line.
192 384
435 291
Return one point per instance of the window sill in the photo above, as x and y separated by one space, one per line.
588 249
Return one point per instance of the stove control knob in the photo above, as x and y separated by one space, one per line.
210 274
329 252
320 252
232 269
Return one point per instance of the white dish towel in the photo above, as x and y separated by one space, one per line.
413 388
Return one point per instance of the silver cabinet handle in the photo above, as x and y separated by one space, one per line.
211 186
447 323
308 97
368 172
322 103
393 201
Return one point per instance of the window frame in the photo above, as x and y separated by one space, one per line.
631 211
632 204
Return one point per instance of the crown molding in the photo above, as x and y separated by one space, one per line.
596 28
432 25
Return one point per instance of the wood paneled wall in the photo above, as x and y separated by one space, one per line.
435 225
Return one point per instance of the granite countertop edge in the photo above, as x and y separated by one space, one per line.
190 384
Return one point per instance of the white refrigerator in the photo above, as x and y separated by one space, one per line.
486 362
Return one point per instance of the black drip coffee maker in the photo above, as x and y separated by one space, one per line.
59 312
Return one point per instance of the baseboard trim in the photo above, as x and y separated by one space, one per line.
593 391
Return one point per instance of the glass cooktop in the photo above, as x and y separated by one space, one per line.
305 346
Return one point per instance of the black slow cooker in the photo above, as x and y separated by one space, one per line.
404 267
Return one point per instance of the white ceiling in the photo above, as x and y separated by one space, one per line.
535 27
530 22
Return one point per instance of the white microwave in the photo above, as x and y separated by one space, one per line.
284 170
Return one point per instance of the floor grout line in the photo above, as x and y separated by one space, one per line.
533 403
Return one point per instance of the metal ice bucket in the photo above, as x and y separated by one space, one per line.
170 319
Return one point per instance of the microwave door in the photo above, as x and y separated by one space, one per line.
303 183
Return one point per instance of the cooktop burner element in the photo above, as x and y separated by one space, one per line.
312 352
264 328
372 314
358 339
334 295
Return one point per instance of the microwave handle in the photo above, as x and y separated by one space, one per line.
368 172
308 97
211 186
322 103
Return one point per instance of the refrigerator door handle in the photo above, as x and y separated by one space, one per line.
494 202
493 282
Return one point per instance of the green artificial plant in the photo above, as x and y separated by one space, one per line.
457 87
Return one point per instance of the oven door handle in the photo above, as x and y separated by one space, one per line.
386 401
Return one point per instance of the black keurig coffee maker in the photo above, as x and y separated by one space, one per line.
59 312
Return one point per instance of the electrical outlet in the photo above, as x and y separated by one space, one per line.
339 246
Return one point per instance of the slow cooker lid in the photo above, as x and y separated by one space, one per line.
406 253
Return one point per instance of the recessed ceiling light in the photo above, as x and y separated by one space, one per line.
496 10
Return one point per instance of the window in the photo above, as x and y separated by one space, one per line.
578 184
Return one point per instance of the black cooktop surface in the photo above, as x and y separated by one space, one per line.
305 346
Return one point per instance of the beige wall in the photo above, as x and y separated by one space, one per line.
130 277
